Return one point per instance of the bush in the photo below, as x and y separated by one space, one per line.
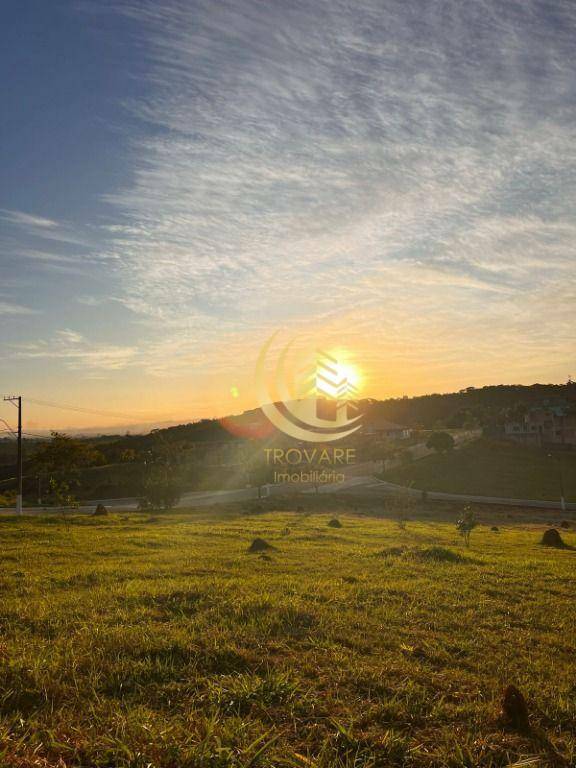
8 499
439 555
441 442
160 494
466 525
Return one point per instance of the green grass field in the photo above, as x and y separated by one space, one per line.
492 468
158 641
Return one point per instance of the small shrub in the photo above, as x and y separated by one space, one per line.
440 555
565 524
466 525
100 511
391 552
334 523
59 494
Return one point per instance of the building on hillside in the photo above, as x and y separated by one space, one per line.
383 429
548 424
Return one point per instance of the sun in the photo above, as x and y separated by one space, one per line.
345 377
349 372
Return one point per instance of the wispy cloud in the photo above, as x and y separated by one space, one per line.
27 220
8 308
78 353
299 155
399 175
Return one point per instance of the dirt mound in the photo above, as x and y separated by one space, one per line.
552 538
515 710
259 545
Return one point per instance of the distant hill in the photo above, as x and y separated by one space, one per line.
483 406
209 442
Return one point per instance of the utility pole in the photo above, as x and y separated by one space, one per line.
560 469
18 399
562 493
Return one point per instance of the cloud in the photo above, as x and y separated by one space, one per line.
78 353
400 178
30 229
8 308
27 220
293 152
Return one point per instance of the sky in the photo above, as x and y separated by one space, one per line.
180 180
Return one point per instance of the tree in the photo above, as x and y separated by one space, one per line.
162 487
65 454
60 459
162 490
441 442
59 494
466 524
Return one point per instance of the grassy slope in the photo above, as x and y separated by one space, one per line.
131 641
492 468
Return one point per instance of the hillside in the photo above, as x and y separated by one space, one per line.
215 442
485 406
492 468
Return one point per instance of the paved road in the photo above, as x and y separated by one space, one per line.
375 488
360 480
198 499
361 485
207 498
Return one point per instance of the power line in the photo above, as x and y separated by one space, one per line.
9 428
79 409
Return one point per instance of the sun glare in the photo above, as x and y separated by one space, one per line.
348 370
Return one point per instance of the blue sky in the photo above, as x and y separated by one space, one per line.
180 179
